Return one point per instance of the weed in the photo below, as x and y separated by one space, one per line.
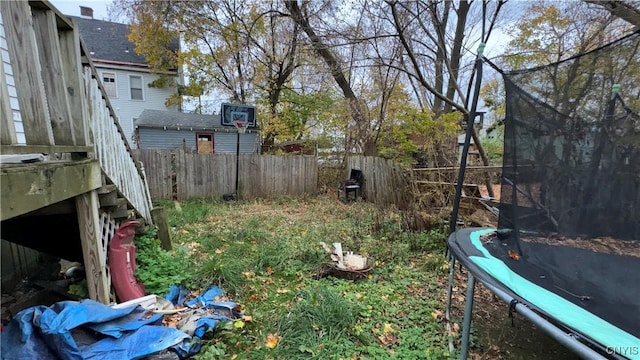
158 269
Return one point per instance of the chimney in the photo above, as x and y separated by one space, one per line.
86 12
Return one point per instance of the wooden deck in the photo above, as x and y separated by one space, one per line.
52 104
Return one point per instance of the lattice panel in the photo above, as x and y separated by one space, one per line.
108 227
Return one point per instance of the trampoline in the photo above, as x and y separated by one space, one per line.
566 253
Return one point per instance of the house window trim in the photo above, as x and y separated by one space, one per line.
209 133
115 82
141 87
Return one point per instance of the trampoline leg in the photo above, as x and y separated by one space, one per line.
466 323
452 265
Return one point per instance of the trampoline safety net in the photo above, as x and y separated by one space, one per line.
570 195
572 148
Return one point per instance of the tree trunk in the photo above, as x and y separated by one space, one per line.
356 107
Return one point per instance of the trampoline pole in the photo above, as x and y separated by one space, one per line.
471 117
466 323
452 265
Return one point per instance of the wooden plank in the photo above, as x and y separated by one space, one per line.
44 149
120 210
7 127
72 71
456 168
53 76
106 189
108 199
25 61
91 239
25 188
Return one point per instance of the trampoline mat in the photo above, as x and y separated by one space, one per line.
590 287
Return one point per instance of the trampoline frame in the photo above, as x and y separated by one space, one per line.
565 336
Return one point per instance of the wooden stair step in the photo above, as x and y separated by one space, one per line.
120 210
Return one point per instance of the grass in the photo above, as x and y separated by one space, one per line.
266 255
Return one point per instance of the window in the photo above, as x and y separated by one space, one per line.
135 85
204 143
109 84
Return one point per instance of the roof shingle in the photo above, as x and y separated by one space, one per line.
110 41
159 119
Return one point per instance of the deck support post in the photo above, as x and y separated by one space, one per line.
92 247
468 312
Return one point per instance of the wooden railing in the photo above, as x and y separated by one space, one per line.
52 102
112 148
40 82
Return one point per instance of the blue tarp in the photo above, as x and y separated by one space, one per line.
91 330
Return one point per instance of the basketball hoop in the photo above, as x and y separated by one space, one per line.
241 126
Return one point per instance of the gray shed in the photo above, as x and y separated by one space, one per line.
156 129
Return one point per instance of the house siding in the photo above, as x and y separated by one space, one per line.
127 109
223 142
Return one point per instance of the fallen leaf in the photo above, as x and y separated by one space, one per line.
219 251
238 324
437 314
514 255
388 340
247 318
248 274
387 329
282 291
272 341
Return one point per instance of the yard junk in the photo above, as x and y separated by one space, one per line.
132 330
122 262
203 313
86 330
346 265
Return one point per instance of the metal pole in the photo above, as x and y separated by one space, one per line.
562 337
452 265
467 140
466 322
237 161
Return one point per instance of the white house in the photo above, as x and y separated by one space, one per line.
124 74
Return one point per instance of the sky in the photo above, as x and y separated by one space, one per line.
72 7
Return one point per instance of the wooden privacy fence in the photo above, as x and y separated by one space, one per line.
173 174
385 183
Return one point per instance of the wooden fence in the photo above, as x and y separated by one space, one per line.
178 175
385 183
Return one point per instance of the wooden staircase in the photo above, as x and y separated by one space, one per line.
52 104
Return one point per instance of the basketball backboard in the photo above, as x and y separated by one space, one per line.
235 112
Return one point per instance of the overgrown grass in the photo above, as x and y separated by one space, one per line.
267 257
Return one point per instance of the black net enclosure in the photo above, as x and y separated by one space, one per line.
570 197
566 252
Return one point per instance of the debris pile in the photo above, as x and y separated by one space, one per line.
141 327
346 265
